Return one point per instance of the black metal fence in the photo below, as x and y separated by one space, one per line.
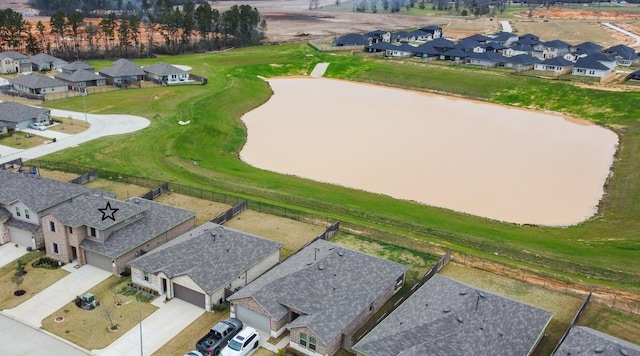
156 192
229 214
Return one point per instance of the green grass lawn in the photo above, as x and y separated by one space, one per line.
604 249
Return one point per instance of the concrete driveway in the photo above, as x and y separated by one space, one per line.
101 125
54 297
47 133
19 339
157 329
9 252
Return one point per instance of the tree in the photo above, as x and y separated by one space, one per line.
123 37
188 23
108 313
134 33
108 28
12 28
40 28
57 23
74 21
17 280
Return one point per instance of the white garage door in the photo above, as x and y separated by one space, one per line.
98 260
20 237
189 295
253 319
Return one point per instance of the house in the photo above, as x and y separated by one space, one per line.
80 75
521 62
45 62
446 317
589 66
123 71
432 31
420 35
625 55
37 84
455 55
379 47
426 50
504 38
378 36
557 65
108 233
442 44
582 340
165 73
27 199
319 294
550 49
351 39
14 62
518 49
16 116
402 36
470 45
477 38
586 48
486 59
493 47
402 50
635 75
205 265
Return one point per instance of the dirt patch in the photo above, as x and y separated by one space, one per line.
556 13
57 175
205 209
293 234
122 190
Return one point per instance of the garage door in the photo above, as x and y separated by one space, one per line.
98 260
188 295
253 319
20 237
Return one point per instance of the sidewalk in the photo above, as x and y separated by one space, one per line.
54 297
157 329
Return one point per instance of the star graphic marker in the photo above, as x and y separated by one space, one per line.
108 212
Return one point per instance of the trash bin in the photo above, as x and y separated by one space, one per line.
54 139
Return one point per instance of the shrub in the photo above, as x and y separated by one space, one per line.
46 262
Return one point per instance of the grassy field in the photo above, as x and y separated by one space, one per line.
88 328
613 322
292 234
57 175
604 249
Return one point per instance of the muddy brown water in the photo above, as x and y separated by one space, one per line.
507 164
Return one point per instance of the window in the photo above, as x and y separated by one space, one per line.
17 211
146 276
303 339
70 230
92 231
312 343
52 226
55 248
26 213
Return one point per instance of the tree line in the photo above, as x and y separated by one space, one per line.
183 28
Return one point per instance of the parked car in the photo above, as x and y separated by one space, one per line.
218 336
243 343
194 353
38 126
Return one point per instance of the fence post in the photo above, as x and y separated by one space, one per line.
614 301
524 273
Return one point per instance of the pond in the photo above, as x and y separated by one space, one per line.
507 164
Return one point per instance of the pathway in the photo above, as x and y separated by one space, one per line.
319 70
506 26
625 32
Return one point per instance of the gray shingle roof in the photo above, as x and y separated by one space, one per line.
22 225
78 65
557 61
557 44
83 211
522 59
122 68
43 58
13 55
157 219
487 56
210 262
446 317
4 213
36 81
589 62
78 76
16 112
162 68
327 283
36 192
582 340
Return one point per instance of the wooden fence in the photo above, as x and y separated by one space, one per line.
85 178
156 192
575 320
229 214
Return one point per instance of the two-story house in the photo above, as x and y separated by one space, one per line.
14 62
108 233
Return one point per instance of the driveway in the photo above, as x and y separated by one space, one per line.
54 297
625 32
9 252
101 125
47 133
19 339
157 329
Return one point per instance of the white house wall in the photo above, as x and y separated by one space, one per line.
155 283
33 216
263 266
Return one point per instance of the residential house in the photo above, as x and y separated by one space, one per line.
402 36
402 50
351 39
635 75
37 84
582 50
432 31
493 47
420 35
589 66
16 116
442 44
518 49
319 294
28 198
165 73
123 71
550 49
108 233
486 59
80 75
557 65
45 62
14 62
426 50
625 55
504 38
582 340
477 38
521 62
455 55
205 265
378 36
470 45
446 317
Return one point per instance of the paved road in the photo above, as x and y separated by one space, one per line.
19 339
101 125
623 31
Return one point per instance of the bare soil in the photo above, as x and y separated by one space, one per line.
122 190
57 175
205 209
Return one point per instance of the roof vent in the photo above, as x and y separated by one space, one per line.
481 294
309 263
321 267
460 319
464 292
599 349
446 310
624 352
341 253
